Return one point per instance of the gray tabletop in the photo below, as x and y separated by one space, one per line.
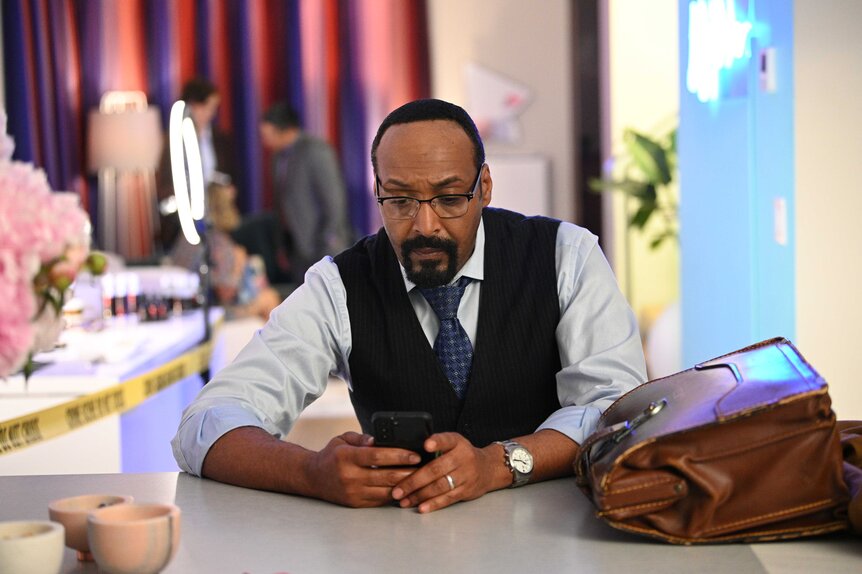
548 527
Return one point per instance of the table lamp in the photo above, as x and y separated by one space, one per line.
124 146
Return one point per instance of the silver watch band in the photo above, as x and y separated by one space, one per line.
518 478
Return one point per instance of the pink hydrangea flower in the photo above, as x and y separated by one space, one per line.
16 333
42 234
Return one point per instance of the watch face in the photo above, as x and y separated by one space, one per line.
521 460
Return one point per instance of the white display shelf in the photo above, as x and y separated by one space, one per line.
88 362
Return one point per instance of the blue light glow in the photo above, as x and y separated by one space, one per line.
716 40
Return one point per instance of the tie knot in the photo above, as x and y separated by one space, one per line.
446 298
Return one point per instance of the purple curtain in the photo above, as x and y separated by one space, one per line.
20 102
55 73
246 111
161 53
354 158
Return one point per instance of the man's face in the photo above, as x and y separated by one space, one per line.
423 160
204 113
269 136
275 138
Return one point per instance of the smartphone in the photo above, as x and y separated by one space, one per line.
403 429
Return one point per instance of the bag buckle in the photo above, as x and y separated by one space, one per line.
652 410
623 429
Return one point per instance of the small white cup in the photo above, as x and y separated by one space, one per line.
35 547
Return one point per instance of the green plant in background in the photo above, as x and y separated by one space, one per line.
648 169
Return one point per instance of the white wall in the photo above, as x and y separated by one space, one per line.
532 44
828 120
529 43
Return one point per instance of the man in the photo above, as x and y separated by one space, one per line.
309 189
202 102
552 342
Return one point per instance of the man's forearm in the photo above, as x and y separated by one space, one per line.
253 458
553 454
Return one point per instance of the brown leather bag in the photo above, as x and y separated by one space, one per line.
740 448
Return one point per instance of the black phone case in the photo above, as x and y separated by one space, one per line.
405 429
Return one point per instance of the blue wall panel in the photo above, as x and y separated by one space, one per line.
735 159
774 289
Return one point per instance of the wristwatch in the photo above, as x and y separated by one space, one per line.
519 461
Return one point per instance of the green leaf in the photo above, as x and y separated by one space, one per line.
658 240
646 193
29 368
649 156
642 215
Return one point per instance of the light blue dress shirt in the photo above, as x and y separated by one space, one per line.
286 365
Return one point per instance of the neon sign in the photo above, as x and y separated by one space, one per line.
716 40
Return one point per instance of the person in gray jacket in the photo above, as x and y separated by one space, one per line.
309 190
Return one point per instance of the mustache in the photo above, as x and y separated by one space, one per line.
422 242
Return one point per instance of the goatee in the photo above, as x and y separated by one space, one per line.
427 273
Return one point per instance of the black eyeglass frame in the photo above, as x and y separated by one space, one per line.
431 202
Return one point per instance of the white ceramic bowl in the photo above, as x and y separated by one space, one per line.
34 547
72 514
134 538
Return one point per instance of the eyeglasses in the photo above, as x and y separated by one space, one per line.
447 206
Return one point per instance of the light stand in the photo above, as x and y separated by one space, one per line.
187 174
205 284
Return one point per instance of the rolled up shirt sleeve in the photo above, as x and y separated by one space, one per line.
598 336
284 368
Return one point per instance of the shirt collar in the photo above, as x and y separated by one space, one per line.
474 268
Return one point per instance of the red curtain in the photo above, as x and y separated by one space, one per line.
343 63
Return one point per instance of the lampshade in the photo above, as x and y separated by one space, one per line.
126 140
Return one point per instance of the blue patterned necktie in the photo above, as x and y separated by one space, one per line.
452 346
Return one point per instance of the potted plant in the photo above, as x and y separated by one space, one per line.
648 170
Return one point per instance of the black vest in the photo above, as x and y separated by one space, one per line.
512 386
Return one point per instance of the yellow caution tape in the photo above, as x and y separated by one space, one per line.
22 432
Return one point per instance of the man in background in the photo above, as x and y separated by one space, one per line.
202 101
309 190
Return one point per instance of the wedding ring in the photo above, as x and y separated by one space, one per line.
451 482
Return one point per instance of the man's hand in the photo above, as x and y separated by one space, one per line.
477 471
351 472
473 471
347 471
